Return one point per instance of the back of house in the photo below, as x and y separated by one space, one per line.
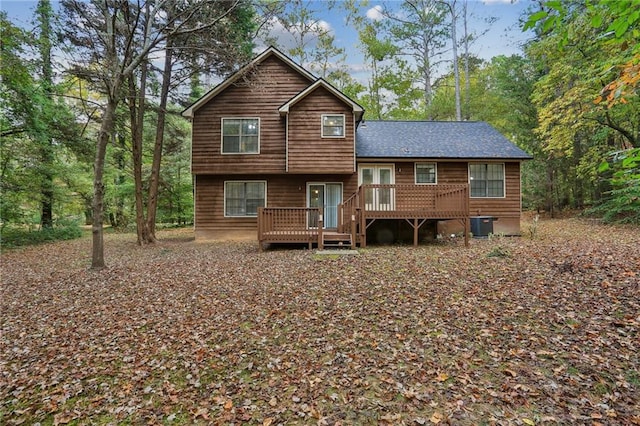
276 151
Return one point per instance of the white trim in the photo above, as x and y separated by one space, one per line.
222 135
415 172
224 197
504 179
358 111
355 161
286 143
324 184
377 165
344 126
194 182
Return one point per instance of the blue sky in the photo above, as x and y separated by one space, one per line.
504 36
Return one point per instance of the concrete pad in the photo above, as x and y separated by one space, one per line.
339 251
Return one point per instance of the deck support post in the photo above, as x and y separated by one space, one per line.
320 226
353 232
467 230
415 232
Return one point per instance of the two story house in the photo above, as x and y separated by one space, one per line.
282 154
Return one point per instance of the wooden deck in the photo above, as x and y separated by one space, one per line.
415 204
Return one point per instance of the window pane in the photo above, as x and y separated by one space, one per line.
250 127
494 171
250 144
425 173
231 144
332 125
244 198
495 188
367 176
240 136
487 180
231 127
478 188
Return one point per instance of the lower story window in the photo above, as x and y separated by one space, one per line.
486 180
242 198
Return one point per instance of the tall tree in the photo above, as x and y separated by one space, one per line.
45 14
581 47
309 36
419 30
109 49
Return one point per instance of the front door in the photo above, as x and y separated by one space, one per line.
327 196
377 174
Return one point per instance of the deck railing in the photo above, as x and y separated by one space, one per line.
289 224
356 213
349 215
447 201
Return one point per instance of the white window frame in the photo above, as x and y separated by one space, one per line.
415 173
504 181
222 119
344 126
224 196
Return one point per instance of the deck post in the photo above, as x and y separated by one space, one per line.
353 230
415 232
260 226
320 226
363 217
466 231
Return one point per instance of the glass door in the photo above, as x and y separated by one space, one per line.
327 196
378 174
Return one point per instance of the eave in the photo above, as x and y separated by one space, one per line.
271 51
358 111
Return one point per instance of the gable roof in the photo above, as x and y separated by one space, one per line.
270 51
357 109
434 139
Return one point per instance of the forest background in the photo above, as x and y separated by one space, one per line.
91 96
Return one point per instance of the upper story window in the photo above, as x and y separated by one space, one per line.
333 126
240 135
486 180
426 173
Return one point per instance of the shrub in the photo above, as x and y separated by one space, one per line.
11 236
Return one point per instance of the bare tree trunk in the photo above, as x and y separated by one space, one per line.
44 16
136 111
97 205
456 71
154 183
467 77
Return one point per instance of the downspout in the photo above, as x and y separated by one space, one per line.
193 177
354 142
286 143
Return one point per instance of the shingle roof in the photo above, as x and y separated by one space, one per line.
434 139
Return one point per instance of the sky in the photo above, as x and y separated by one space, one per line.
502 37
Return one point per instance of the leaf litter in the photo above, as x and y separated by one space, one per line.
186 332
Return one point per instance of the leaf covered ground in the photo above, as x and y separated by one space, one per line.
509 331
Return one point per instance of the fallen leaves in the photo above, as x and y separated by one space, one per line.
212 333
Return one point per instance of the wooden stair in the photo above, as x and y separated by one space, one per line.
336 240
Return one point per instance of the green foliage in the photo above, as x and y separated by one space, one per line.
580 47
623 203
15 236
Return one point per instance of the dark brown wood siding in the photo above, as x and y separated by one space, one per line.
308 151
458 172
259 94
282 191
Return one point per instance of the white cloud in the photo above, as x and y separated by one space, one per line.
375 13
287 38
499 1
